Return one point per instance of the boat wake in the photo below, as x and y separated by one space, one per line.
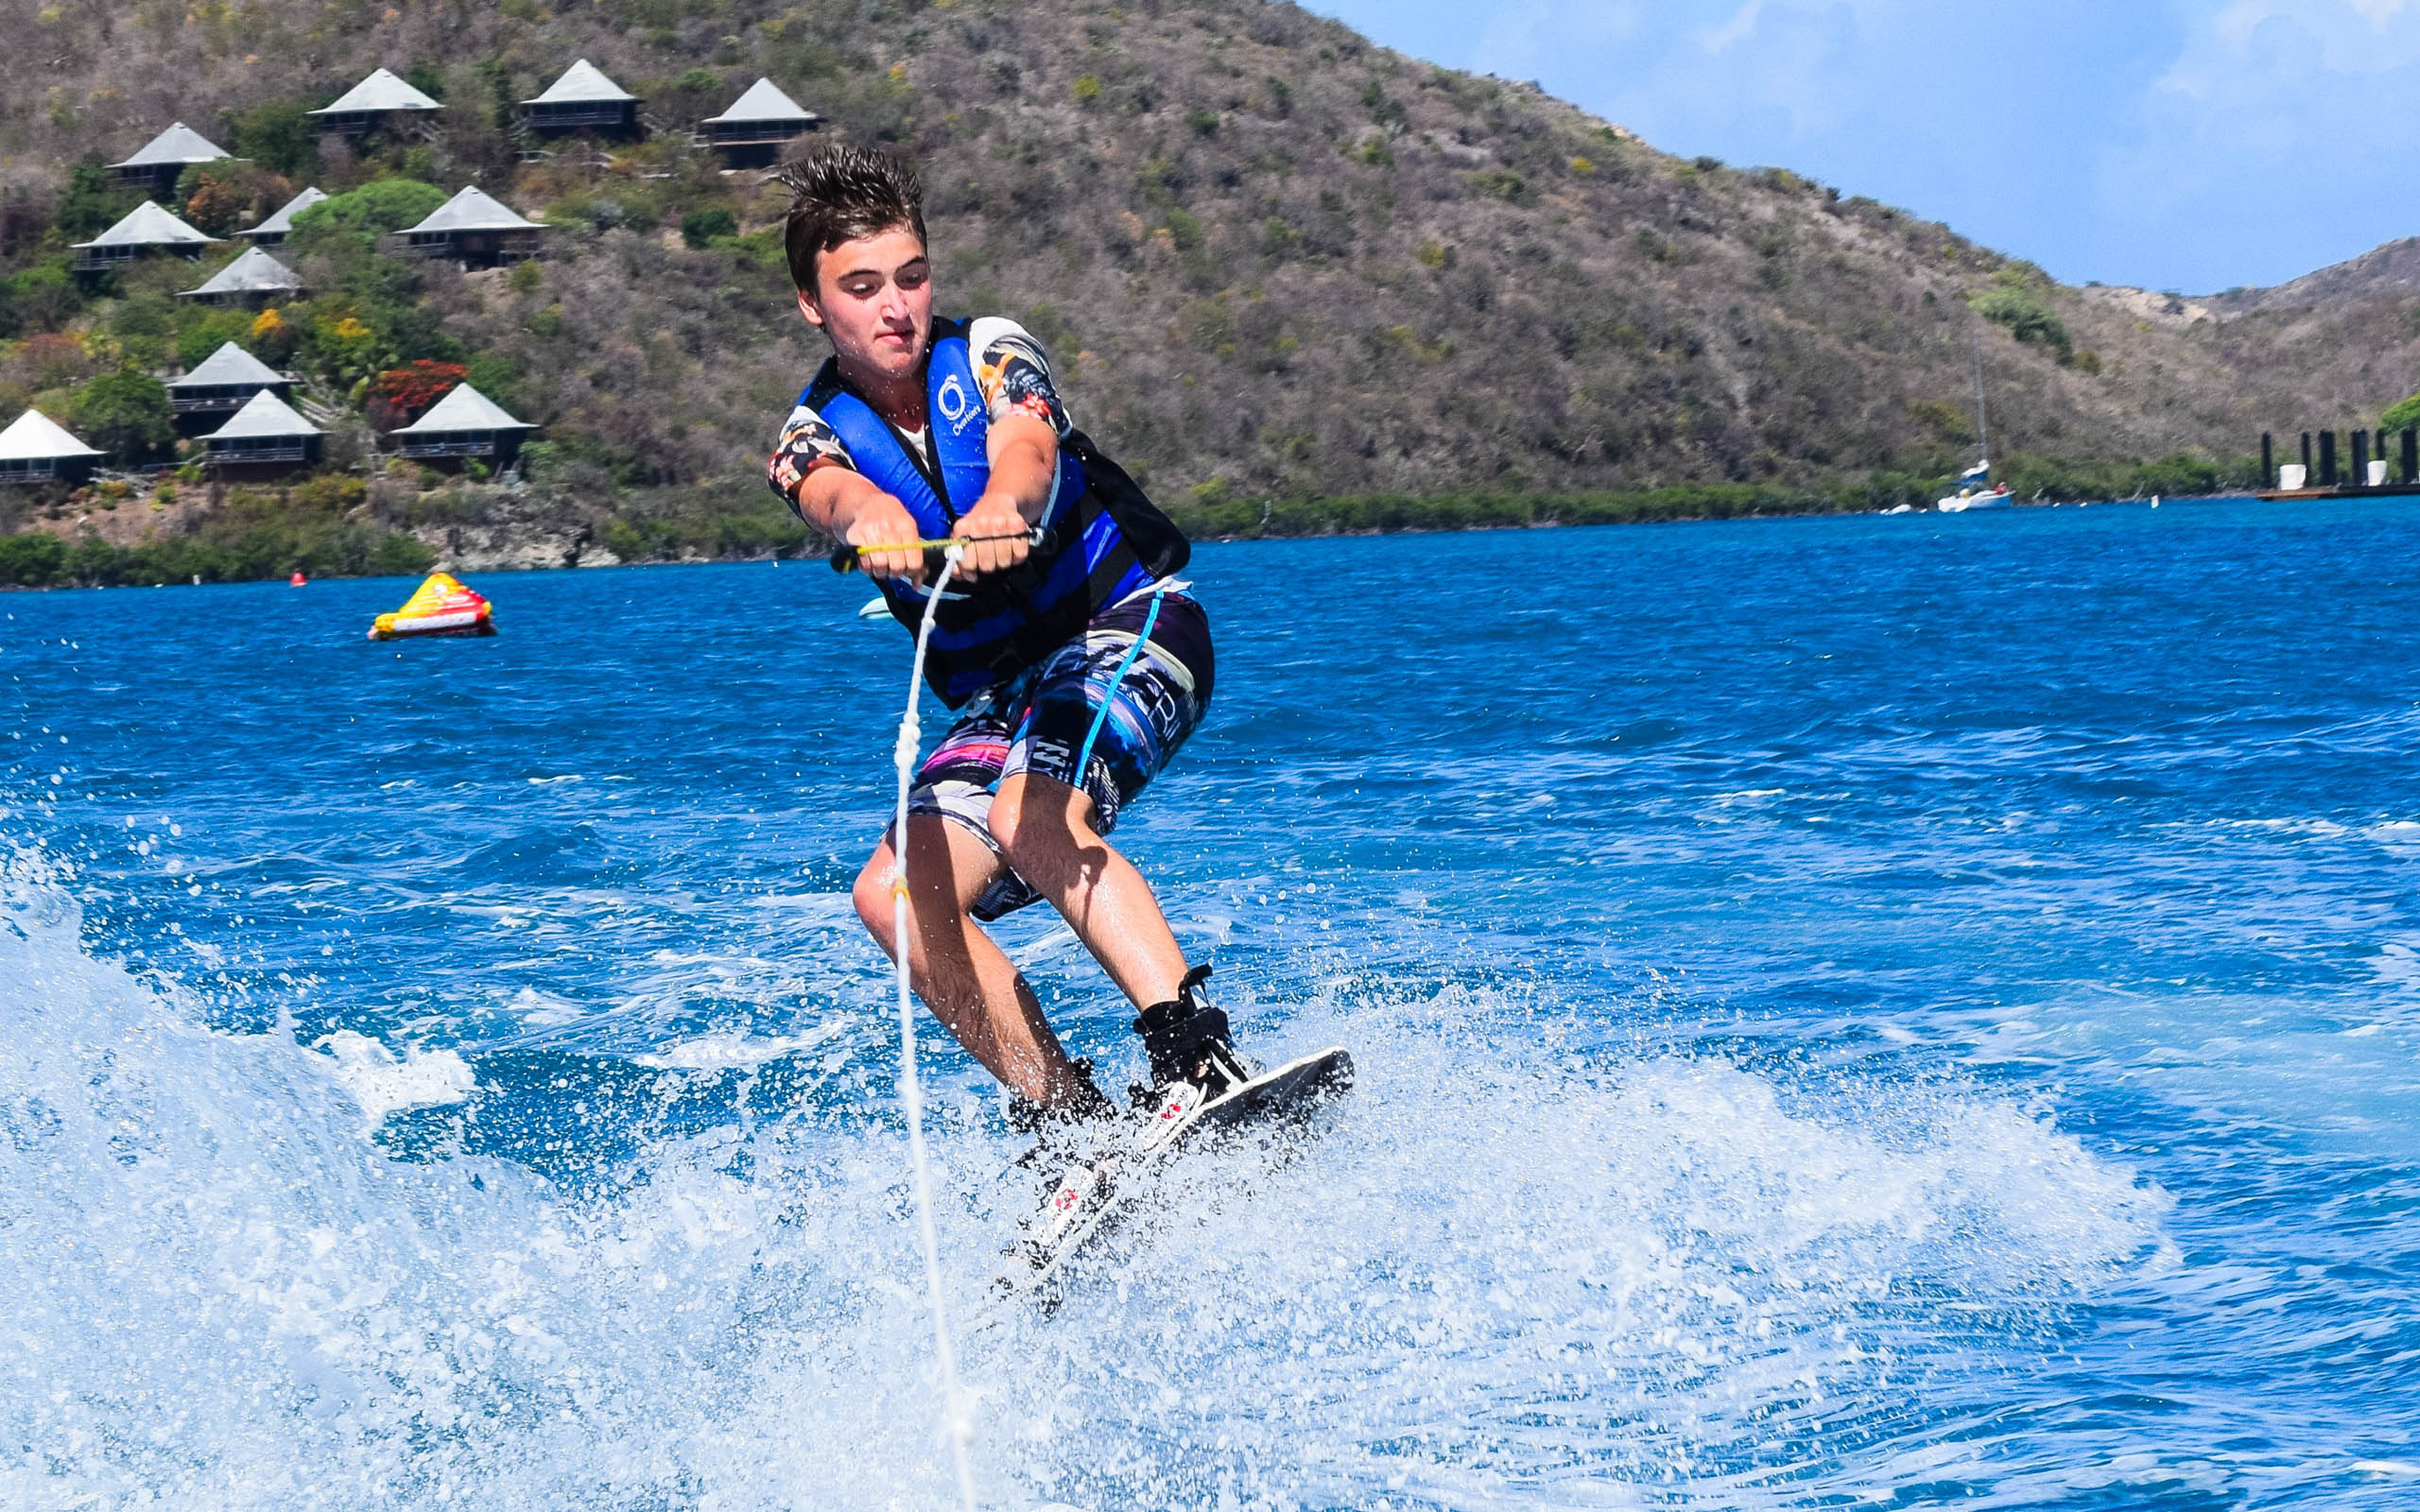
1510 1274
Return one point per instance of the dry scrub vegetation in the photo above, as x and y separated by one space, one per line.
1272 260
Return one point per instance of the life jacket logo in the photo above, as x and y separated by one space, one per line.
955 406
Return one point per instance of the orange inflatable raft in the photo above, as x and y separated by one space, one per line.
440 606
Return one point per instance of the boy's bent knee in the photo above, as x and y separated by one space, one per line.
871 894
1007 822
941 855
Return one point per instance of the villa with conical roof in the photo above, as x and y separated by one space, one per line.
144 230
475 230
221 384
264 438
751 132
380 102
254 279
36 448
273 232
166 156
583 100
465 424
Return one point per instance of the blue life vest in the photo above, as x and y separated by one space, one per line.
1107 538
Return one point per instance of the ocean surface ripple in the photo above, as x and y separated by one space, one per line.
1852 1012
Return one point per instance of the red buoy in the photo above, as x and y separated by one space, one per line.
298 579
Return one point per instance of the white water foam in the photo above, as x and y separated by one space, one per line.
1507 1278
737 1052
383 1082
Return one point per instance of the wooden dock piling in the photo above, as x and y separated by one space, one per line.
2327 482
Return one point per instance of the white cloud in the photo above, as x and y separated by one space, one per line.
2191 143
2268 145
2259 44
1734 29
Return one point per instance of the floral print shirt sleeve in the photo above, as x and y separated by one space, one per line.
1013 372
806 443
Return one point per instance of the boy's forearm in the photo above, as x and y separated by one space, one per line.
1025 463
830 498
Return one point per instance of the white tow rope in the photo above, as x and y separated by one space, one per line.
954 1426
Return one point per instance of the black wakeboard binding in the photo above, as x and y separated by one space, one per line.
1186 1038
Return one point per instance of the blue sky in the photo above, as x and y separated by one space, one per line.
2188 145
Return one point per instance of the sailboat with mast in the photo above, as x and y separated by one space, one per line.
1975 487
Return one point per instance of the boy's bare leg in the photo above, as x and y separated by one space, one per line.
1045 826
961 975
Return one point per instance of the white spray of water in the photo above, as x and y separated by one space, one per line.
1504 1278
383 1082
232 1298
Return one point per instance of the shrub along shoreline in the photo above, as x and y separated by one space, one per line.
320 528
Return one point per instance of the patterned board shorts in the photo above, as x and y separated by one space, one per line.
1039 722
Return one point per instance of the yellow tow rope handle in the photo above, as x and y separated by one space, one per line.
844 557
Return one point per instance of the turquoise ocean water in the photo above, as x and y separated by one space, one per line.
1853 1012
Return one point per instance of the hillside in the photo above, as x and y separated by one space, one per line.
1271 259
2343 341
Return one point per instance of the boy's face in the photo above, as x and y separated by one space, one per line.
874 297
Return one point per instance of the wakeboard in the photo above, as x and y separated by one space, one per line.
1090 1198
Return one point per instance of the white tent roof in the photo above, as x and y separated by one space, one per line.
762 102
381 91
284 219
228 365
35 437
177 144
464 408
582 84
255 272
148 225
473 209
263 414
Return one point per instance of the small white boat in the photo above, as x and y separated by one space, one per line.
1975 491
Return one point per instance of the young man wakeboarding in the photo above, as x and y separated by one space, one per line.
1077 665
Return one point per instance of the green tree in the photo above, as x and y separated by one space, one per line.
124 412
701 227
146 326
2026 316
280 136
200 332
34 560
92 202
384 205
2401 415
46 295
495 374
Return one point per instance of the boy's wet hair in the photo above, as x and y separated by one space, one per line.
841 193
